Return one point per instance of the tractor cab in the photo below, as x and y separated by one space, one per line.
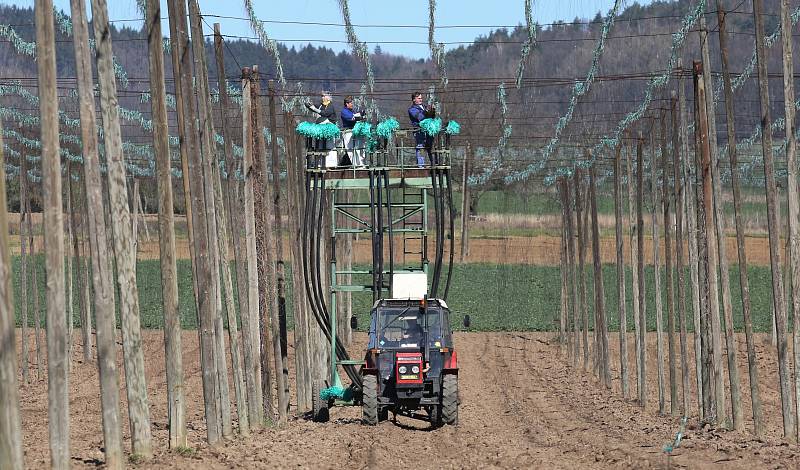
410 361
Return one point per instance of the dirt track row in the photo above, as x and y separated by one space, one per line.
523 406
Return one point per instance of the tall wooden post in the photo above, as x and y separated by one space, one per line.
224 248
204 283
209 168
176 416
657 272
784 373
792 194
262 226
640 269
23 261
102 278
666 200
692 230
571 249
138 409
279 304
10 423
679 264
634 271
57 347
599 291
250 319
465 202
581 275
721 254
562 319
83 277
620 244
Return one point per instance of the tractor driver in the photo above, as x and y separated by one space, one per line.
413 331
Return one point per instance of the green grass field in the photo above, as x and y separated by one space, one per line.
498 297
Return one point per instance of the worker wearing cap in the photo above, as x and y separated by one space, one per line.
418 112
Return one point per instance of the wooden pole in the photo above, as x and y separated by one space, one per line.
176 415
465 202
70 268
562 319
679 264
83 278
181 60
707 268
250 319
574 313
278 311
657 273
138 409
204 281
721 255
744 283
262 224
10 423
784 373
666 201
222 220
295 192
57 347
599 291
620 244
581 273
23 260
792 194
640 269
209 167
102 277
634 272
37 310
694 271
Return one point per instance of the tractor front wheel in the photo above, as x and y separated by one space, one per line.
319 406
369 405
450 399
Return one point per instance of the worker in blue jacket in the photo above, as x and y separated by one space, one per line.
418 112
354 145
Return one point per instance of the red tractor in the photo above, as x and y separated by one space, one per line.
410 364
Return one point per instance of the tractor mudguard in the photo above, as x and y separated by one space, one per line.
451 363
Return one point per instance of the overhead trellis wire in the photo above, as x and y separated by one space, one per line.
581 87
437 48
527 46
361 51
655 83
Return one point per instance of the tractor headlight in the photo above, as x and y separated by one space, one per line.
402 369
415 369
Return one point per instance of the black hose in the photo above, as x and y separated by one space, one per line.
323 319
373 235
391 235
379 230
452 238
437 262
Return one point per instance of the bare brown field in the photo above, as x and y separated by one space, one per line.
523 406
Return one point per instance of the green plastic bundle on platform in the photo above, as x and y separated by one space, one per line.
387 127
318 131
431 126
453 128
336 392
362 129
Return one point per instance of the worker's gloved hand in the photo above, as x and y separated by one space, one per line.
308 104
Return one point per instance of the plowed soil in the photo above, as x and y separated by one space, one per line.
522 406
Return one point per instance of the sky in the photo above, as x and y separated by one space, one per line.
479 17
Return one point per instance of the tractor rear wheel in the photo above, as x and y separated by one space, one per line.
319 406
450 399
369 405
